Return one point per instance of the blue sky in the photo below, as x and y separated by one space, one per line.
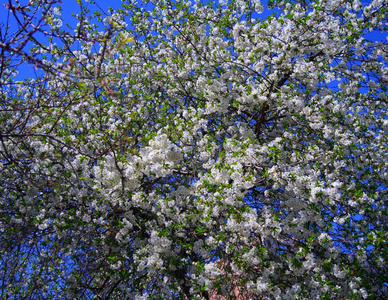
71 7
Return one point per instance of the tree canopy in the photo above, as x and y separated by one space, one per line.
188 149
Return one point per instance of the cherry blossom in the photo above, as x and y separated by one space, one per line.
195 150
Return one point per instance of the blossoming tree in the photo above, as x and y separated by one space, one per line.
183 150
